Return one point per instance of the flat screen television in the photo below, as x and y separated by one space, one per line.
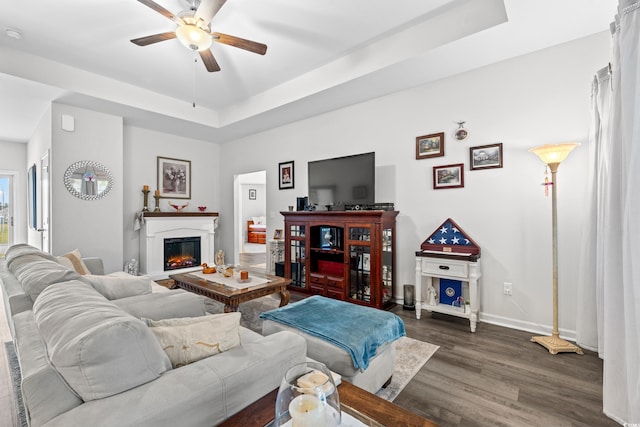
349 180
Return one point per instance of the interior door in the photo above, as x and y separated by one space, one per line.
6 212
44 199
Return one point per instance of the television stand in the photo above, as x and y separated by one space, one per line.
345 255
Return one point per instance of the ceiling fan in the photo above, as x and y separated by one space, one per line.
194 31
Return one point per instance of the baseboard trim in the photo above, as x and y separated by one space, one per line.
520 325
534 328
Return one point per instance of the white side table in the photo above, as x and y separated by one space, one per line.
466 269
275 253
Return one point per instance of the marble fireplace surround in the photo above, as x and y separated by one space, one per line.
158 226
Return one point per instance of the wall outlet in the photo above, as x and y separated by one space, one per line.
507 288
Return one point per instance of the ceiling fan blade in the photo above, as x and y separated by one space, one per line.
162 11
249 45
144 41
208 9
209 61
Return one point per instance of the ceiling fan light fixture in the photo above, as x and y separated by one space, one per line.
193 37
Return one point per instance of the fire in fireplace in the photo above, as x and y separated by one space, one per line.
181 252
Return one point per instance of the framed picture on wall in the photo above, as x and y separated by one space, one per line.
485 156
428 146
448 176
286 175
174 178
252 194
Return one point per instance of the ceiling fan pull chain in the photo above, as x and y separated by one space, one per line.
195 61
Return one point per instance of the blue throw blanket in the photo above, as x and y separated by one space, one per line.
357 329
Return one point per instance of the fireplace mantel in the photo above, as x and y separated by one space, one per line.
177 214
158 226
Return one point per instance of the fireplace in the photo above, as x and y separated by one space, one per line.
160 226
181 252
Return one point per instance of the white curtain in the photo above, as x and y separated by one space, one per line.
609 298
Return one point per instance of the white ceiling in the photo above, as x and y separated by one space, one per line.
321 55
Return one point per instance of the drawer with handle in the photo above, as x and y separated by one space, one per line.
335 293
442 267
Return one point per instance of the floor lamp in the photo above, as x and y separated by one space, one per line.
552 155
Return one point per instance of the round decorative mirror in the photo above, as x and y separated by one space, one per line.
88 180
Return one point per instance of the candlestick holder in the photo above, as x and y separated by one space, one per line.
145 208
157 197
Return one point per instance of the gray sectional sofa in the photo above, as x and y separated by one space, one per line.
89 359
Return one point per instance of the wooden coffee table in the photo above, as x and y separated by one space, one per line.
368 408
231 297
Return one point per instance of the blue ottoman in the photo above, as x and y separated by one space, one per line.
355 341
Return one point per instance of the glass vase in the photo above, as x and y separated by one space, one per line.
308 397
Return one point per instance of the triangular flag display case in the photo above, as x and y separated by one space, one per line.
449 263
449 237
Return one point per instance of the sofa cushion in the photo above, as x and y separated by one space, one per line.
44 393
36 272
19 249
189 339
73 261
119 285
164 305
99 349
15 299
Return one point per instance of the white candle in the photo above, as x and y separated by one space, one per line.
307 411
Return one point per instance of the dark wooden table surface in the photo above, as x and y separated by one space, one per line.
368 407
231 297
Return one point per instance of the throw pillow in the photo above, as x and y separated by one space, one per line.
66 262
119 285
74 260
190 339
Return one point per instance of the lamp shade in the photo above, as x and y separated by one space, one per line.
554 153
193 37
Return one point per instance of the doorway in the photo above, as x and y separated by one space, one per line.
44 203
6 212
250 206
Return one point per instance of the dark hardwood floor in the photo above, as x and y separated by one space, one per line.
497 377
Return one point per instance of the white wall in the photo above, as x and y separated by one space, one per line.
524 102
38 145
141 150
13 161
92 226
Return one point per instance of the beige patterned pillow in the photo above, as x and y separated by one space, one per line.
190 339
73 261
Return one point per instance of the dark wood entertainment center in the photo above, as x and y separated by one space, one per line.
345 255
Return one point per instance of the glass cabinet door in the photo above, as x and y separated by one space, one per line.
360 268
387 265
298 254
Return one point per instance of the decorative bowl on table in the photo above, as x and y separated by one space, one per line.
178 208
202 208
